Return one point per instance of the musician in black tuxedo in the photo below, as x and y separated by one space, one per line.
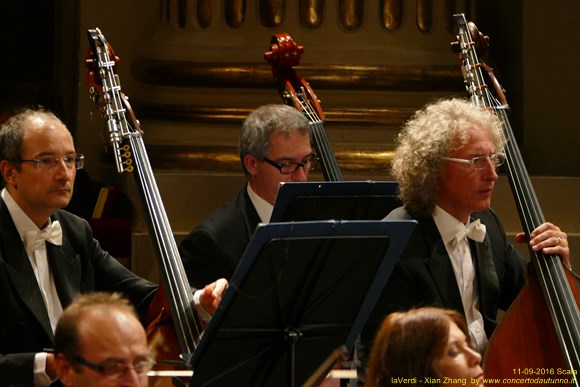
458 256
274 147
47 255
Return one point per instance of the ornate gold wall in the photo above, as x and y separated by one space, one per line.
371 64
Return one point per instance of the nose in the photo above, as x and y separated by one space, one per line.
490 172
132 379
301 175
64 171
474 357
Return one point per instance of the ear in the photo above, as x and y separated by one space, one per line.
64 370
251 164
8 171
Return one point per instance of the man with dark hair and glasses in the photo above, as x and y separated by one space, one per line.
274 147
48 255
458 257
99 341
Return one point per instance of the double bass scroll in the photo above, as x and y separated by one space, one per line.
295 91
541 330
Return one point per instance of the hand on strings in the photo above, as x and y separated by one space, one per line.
549 239
211 295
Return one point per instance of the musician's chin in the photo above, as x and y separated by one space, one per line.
61 199
483 204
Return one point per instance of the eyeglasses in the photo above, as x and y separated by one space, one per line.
479 163
45 163
308 164
116 368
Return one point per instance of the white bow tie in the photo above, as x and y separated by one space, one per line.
474 230
51 233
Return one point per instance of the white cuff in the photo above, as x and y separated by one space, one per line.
202 313
41 379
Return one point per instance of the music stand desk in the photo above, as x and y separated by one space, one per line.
301 290
347 200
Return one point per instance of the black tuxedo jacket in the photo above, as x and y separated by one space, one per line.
214 248
79 265
424 275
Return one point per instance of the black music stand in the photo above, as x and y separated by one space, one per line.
322 371
301 290
346 200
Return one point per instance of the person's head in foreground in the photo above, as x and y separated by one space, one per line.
99 341
424 346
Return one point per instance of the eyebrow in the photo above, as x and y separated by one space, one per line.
460 342
283 158
124 360
53 153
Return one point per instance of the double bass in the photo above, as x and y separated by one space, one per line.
539 336
174 299
295 91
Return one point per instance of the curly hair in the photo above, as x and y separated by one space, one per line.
408 343
431 134
262 122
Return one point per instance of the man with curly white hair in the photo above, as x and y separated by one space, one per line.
458 257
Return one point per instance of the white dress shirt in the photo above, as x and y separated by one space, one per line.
263 208
462 263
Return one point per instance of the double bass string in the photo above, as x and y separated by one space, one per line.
185 320
323 147
315 123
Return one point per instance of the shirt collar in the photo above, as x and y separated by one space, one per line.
447 224
22 222
263 208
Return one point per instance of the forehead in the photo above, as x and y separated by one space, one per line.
475 139
288 140
45 134
111 332
40 121
455 333
289 134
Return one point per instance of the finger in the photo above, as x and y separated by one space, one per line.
563 240
207 293
547 238
553 245
220 287
544 227
520 237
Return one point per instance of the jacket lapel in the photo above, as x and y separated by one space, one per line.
65 268
439 265
20 271
249 213
487 279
